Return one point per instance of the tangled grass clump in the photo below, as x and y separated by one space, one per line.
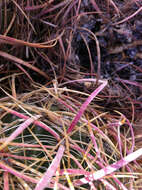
70 94
51 139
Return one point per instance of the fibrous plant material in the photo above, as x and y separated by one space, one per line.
70 94
96 146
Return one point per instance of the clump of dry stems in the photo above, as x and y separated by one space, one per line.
62 124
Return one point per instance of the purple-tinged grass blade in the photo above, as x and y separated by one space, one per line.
132 135
77 182
130 82
60 186
45 180
95 6
93 140
39 123
18 131
19 157
107 184
9 169
74 171
6 180
129 17
85 104
111 168
120 184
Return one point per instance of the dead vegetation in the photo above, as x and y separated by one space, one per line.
70 94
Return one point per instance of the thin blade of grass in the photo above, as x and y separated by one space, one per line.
130 82
84 106
18 131
21 62
18 6
68 177
39 123
45 180
14 41
111 168
9 169
95 6
129 17
19 157
6 180
24 71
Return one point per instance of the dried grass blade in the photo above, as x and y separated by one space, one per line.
14 41
24 71
68 177
21 62
6 180
130 82
18 6
45 180
18 131
41 124
95 6
9 169
85 104
129 17
111 168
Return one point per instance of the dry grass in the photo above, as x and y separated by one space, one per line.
62 125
